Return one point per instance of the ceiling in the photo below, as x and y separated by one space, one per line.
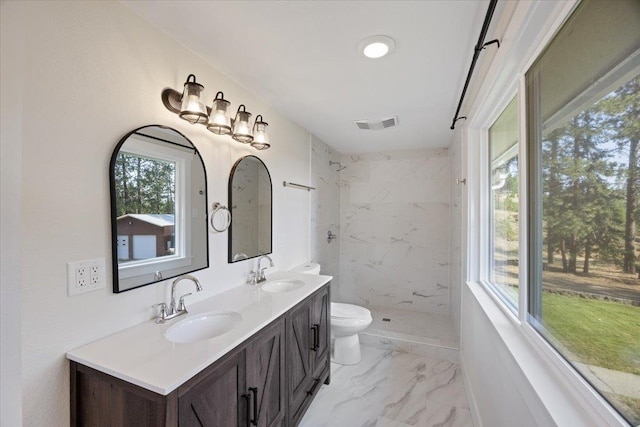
301 57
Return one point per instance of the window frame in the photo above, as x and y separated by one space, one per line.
182 221
534 241
485 256
495 287
528 22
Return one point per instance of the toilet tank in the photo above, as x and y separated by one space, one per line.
308 268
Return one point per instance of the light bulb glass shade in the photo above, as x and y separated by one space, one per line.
193 109
219 119
260 135
241 126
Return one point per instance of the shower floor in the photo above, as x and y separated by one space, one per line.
418 328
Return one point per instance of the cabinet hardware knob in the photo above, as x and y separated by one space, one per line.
315 330
254 392
248 397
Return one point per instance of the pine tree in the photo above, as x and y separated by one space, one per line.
577 203
623 109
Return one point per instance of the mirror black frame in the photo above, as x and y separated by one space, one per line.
230 192
114 225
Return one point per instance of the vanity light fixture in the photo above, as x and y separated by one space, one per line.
188 106
241 127
376 46
192 108
260 135
219 119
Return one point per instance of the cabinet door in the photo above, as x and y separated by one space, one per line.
298 347
320 324
98 399
215 398
265 377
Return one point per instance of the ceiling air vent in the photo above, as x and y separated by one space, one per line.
377 124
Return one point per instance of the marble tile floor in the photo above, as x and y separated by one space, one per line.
391 388
425 328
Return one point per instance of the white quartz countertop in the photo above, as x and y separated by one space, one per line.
142 355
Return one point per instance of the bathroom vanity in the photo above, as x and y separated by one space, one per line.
265 371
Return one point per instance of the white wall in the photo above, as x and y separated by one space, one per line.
497 389
11 15
394 218
87 73
507 382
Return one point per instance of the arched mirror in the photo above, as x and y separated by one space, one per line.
250 202
158 208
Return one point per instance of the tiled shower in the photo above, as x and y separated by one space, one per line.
391 213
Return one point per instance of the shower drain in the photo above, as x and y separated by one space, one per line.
386 319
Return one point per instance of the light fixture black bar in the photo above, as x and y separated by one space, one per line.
476 52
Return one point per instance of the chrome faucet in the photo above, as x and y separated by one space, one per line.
172 307
252 279
179 309
260 277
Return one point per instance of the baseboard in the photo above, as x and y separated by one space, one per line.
471 397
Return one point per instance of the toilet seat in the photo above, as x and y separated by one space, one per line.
349 311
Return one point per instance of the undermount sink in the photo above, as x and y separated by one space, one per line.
203 326
281 286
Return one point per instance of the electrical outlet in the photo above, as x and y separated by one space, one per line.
94 274
81 277
85 276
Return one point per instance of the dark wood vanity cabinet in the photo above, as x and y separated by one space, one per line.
265 371
267 381
98 399
214 397
244 389
320 319
307 353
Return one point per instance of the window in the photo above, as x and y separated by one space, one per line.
503 157
583 125
150 181
145 193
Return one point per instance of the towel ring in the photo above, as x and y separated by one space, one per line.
220 218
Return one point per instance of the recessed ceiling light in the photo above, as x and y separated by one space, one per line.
376 46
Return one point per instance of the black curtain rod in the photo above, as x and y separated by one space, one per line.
476 52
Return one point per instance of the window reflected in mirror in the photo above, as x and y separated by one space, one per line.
159 208
145 199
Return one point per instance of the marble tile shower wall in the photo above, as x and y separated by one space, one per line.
325 211
457 205
394 217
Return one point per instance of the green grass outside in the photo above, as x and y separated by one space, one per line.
597 332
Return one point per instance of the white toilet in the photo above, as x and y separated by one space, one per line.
346 321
